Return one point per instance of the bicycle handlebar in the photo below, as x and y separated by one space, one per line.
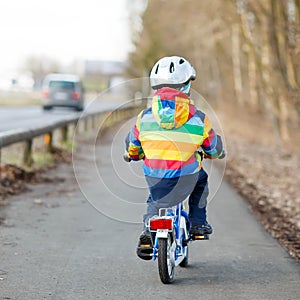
202 154
222 155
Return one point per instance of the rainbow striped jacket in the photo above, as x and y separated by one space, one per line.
168 134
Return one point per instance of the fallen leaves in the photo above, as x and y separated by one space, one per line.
14 180
269 181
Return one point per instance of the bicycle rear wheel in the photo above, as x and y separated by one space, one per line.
165 262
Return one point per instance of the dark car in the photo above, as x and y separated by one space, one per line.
64 90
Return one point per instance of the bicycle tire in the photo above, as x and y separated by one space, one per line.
165 266
185 261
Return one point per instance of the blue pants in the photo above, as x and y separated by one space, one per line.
167 192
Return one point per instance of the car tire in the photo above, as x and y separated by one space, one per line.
47 107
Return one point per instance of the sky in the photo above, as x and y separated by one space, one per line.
64 30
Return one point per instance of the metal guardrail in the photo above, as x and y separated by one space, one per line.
18 135
27 135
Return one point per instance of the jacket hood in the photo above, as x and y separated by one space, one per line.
171 108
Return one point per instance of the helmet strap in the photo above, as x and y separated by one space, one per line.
186 88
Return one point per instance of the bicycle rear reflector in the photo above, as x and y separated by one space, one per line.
161 224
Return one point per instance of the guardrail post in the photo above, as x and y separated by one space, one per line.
48 138
27 159
64 133
0 161
86 124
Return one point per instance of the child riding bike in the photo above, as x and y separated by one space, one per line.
167 137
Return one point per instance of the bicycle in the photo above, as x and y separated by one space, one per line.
170 232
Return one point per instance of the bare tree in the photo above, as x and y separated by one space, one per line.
245 50
39 66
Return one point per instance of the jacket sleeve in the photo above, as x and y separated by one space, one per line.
132 142
212 144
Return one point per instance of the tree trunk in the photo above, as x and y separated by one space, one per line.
236 60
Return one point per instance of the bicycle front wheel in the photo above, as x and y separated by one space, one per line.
185 261
166 264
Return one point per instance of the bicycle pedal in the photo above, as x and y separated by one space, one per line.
200 237
145 245
145 252
185 243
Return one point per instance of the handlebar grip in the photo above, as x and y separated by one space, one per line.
126 158
222 155
201 154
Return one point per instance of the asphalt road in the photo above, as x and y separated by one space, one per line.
31 116
57 243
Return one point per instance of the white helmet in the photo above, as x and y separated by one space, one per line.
172 71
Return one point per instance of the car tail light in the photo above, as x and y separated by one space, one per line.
75 96
45 94
161 224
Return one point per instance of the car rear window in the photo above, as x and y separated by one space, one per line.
62 85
